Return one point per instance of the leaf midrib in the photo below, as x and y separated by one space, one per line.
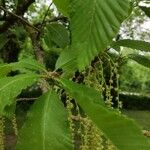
44 119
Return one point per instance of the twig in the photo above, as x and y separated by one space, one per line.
46 15
43 22
20 18
54 19
26 99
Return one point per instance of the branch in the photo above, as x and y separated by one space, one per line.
26 99
20 18
54 19
21 9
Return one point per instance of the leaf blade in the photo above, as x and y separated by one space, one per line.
11 87
50 130
134 44
94 30
141 59
24 65
62 6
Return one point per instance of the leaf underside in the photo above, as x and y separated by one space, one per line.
134 44
25 65
93 25
141 59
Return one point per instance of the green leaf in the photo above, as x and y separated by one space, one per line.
123 132
29 64
141 59
146 10
62 6
67 61
5 69
134 44
93 25
46 126
58 34
11 87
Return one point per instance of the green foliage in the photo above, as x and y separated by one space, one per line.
134 44
67 61
57 34
96 27
116 127
146 10
134 78
47 125
62 6
24 65
141 59
89 30
11 87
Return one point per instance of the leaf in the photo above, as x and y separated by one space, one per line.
11 87
62 6
58 34
141 59
93 25
67 61
146 10
29 64
32 64
5 69
123 132
46 126
134 44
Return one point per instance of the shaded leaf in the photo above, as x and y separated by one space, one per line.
141 59
67 61
146 10
47 125
58 34
11 87
123 132
29 64
134 44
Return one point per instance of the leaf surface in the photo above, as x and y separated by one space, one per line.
46 126
141 59
62 6
93 25
134 44
146 10
58 34
24 65
11 87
